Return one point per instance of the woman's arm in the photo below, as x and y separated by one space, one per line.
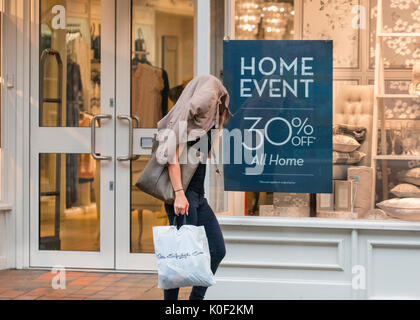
181 203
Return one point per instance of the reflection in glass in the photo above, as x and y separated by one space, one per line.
260 20
69 202
70 91
146 212
162 57
162 60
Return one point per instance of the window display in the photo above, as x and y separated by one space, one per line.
376 131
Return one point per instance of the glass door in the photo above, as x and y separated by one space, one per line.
104 73
155 61
72 134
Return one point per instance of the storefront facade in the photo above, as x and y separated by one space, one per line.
68 194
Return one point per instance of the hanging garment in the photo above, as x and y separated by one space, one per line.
147 86
74 98
165 93
96 47
175 92
82 53
74 94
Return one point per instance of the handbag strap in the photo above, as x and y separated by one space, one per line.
213 154
218 172
184 221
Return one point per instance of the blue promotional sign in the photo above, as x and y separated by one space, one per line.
279 138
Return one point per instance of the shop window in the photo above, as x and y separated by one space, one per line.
162 59
353 76
254 20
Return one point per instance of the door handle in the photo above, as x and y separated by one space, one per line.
130 138
98 119
136 157
137 121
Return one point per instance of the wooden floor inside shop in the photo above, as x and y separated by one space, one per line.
38 285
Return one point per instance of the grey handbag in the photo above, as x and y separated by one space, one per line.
155 177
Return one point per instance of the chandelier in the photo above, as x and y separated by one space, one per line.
259 19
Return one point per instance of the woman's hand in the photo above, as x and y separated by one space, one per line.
181 203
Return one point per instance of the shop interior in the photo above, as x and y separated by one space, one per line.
162 65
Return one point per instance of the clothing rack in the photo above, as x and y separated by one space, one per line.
141 52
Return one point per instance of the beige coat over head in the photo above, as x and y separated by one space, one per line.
197 110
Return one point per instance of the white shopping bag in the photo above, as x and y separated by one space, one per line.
183 256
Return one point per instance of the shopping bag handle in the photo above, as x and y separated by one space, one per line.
184 221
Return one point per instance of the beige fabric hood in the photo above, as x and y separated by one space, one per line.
197 111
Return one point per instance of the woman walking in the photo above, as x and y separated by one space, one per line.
203 106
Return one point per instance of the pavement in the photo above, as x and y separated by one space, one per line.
45 285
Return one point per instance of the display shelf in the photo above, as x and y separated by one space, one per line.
397 96
396 157
379 120
399 120
398 34
393 124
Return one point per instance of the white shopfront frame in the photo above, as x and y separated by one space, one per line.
389 251
66 140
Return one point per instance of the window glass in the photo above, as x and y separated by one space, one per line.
69 184
72 99
162 60
395 171
264 20
254 20
69 202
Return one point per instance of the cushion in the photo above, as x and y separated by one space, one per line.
406 209
345 143
411 176
357 132
348 157
406 190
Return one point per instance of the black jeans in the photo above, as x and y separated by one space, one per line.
200 214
